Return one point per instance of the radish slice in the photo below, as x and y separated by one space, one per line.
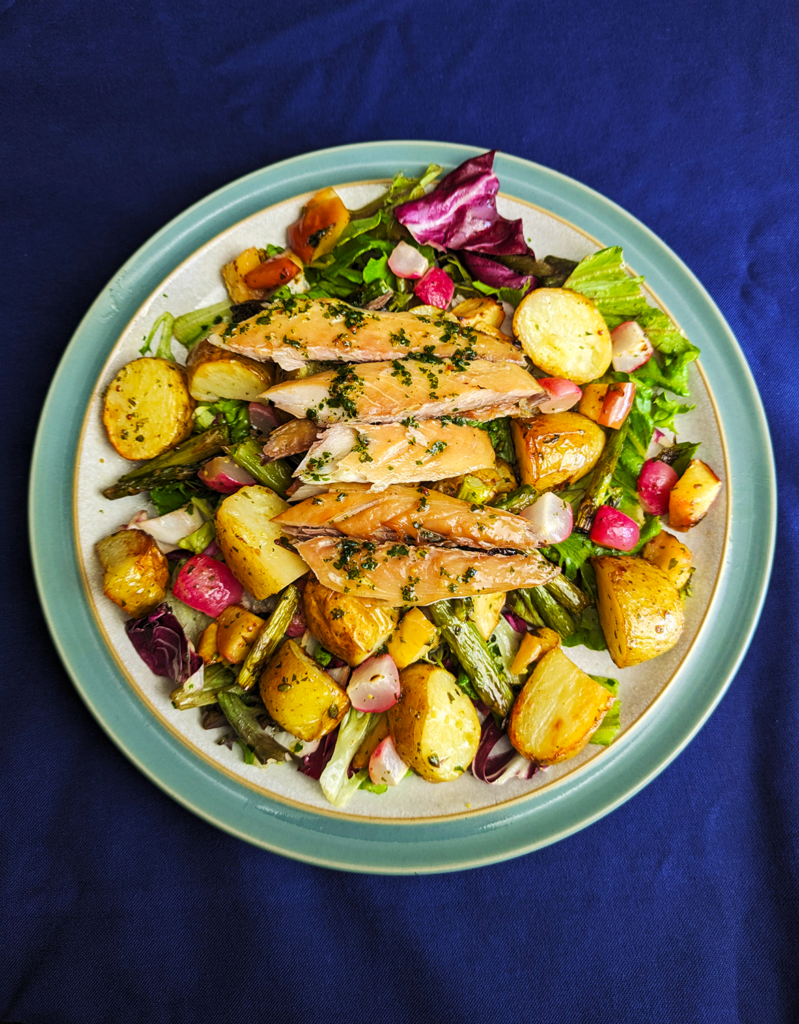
617 404
435 288
631 347
563 394
374 685
207 585
224 475
407 262
386 767
655 482
167 530
552 518
340 674
613 529
263 418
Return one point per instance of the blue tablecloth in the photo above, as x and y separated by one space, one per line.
117 904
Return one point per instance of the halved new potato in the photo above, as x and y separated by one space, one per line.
558 710
564 334
214 374
147 408
556 448
135 573
236 632
350 627
300 695
668 554
480 313
693 494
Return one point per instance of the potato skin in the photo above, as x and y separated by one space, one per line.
640 609
434 725
147 408
301 696
214 373
556 448
135 573
349 627
236 632
673 557
558 710
564 334
693 494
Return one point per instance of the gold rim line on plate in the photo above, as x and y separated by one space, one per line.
311 808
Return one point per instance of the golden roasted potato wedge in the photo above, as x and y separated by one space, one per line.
352 628
556 448
564 334
300 695
234 273
674 558
692 496
147 408
214 373
366 749
434 725
480 313
535 644
252 543
207 647
558 710
236 633
135 573
640 609
486 612
413 638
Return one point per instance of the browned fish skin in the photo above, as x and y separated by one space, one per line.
299 329
408 388
404 575
413 515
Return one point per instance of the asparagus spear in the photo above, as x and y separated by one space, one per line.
471 650
521 605
517 500
269 636
276 474
244 720
216 679
600 480
553 614
179 463
568 594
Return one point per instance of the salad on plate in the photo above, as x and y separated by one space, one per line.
390 483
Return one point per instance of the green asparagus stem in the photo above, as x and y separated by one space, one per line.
521 605
568 594
553 614
276 474
471 650
217 679
244 720
473 489
517 500
269 636
600 479
178 463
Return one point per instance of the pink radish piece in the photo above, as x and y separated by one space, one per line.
374 685
631 347
207 585
613 529
408 262
655 482
224 475
167 530
563 394
263 417
435 288
552 518
386 767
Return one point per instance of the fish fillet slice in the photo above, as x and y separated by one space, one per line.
298 329
404 575
387 392
415 515
388 453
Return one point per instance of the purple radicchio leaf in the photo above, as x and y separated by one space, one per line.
496 761
516 623
162 645
461 213
495 274
314 764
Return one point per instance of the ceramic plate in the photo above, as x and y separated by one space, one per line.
418 827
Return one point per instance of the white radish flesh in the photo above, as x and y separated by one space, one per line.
386 767
405 261
631 347
563 394
552 518
374 685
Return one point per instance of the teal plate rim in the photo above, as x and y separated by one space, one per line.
454 843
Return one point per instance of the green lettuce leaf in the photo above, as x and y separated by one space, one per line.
611 723
235 413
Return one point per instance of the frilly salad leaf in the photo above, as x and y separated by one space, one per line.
162 645
235 413
461 213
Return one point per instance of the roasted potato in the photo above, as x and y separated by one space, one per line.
480 313
556 448
693 494
207 647
366 749
234 273
413 638
564 334
352 628
236 633
640 610
486 612
558 710
249 541
536 643
147 408
319 227
434 725
214 373
301 696
135 573
674 558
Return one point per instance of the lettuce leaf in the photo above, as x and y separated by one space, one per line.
611 723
